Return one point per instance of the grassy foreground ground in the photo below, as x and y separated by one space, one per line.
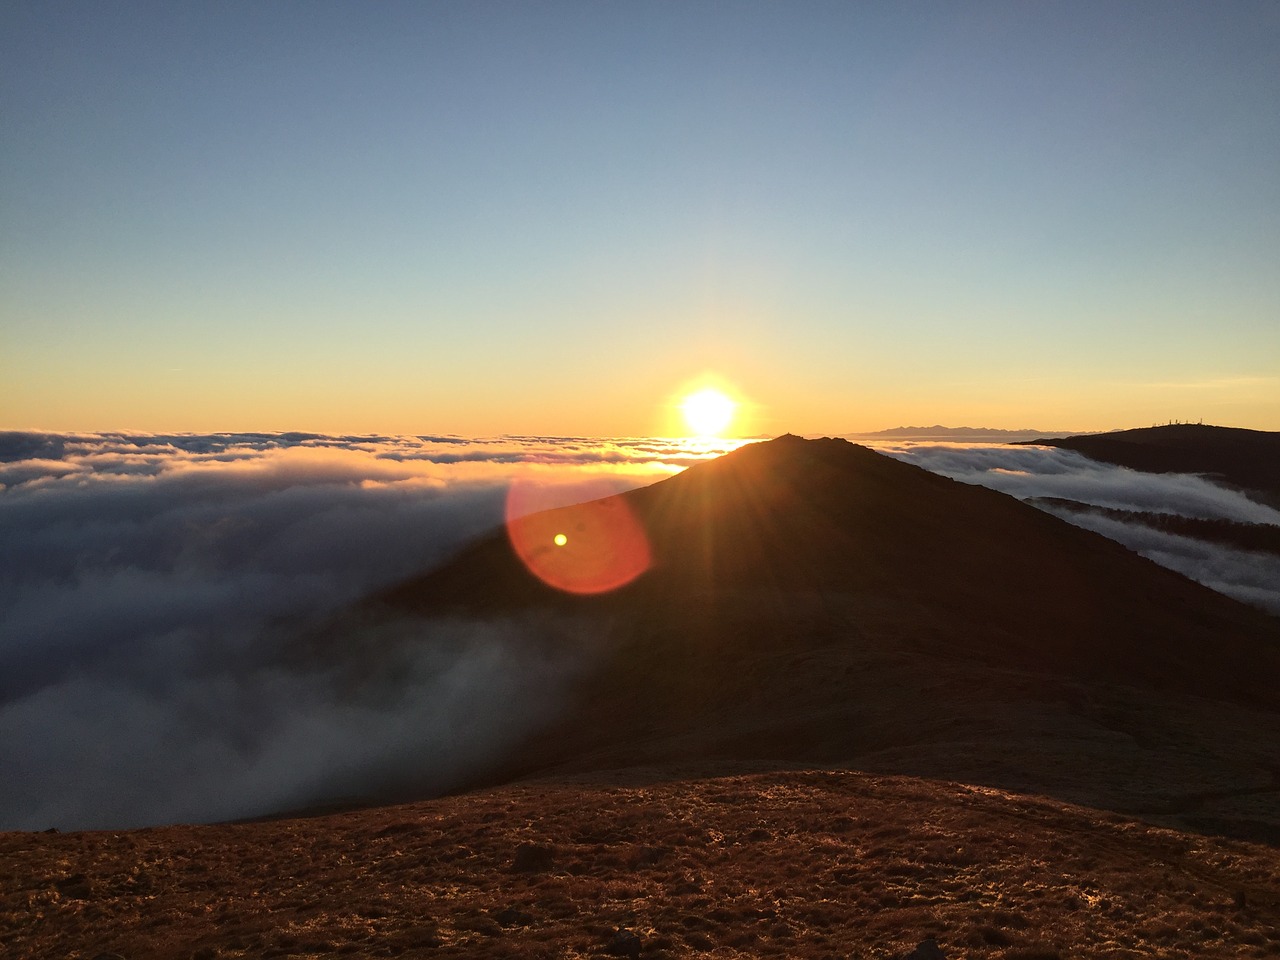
652 864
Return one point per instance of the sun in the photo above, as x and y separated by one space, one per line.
707 412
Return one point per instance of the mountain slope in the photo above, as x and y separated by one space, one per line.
1243 458
832 523
813 601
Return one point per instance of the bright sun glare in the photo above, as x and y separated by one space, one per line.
707 412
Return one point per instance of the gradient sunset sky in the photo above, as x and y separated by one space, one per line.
554 218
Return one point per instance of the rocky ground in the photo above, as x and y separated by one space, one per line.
648 864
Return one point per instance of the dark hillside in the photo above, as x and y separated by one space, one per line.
790 524
814 601
1249 459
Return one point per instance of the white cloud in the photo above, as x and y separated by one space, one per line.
1247 575
143 674
142 679
1033 471
177 732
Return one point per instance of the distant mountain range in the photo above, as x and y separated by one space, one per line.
959 434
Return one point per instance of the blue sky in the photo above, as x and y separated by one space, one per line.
552 218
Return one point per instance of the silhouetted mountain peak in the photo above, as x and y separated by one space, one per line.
969 571
811 601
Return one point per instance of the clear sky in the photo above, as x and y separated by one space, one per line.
485 218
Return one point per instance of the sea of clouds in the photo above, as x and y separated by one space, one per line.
151 587
148 583
1029 472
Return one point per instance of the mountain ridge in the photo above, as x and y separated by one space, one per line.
812 601
938 431
831 516
1246 459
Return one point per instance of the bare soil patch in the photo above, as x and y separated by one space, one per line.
651 864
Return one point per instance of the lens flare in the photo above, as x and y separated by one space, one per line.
591 547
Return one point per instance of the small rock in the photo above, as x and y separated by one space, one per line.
75 887
425 936
511 917
648 857
533 858
926 949
624 943
847 877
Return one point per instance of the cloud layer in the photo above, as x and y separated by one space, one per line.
143 676
152 588
1033 472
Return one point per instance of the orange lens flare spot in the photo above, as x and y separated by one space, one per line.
586 548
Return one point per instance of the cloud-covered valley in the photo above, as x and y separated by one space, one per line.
152 588
148 583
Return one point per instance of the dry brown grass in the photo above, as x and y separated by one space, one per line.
790 864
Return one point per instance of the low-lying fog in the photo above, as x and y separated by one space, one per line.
140 578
